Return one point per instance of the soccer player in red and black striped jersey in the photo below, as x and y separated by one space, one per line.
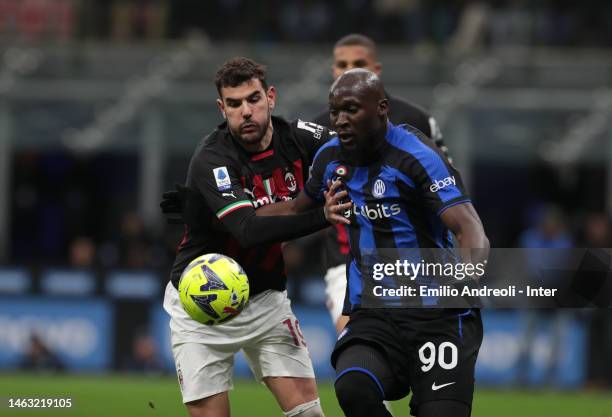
251 160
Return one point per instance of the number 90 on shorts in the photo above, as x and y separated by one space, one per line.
445 354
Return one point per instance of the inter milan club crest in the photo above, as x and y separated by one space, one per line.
379 188
290 181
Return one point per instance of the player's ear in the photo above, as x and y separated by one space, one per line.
221 107
271 93
383 107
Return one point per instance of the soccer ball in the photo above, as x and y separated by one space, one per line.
213 289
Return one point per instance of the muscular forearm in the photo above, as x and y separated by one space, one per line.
474 244
465 224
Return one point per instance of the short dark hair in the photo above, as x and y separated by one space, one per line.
357 39
239 70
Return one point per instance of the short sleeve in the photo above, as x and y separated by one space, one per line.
437 181
215 177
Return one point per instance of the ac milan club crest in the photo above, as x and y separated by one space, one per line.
290 181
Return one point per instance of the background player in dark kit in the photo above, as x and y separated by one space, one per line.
251 160
383 354
359 51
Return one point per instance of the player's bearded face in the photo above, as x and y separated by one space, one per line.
247 109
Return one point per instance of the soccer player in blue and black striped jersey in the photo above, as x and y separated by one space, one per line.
403 194
359 51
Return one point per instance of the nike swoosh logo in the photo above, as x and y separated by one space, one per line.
435 387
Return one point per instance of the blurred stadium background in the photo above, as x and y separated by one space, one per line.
102 103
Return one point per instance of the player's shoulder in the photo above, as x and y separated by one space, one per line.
329 150
406 109
322 119
415 155
407 112
216 147
411 142
307 131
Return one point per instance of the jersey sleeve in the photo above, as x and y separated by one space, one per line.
438 183
218 182
322 119
311 136
317 180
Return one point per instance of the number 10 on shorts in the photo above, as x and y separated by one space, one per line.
447 355
296 332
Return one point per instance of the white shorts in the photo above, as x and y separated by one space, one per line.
335 289
266 330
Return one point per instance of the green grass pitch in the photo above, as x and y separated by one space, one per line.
140 396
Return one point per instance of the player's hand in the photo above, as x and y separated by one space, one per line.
172 204
336 203
183 205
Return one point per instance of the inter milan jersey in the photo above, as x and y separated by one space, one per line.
231 179
397 200
400 112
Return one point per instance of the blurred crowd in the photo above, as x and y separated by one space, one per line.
411 22
82 211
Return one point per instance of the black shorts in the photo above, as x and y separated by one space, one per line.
431 352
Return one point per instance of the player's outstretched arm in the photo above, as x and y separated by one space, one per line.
334 207
252 230
465 224
300 204
240 219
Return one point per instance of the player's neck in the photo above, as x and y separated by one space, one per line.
375 152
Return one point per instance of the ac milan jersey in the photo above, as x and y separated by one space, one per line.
231 179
